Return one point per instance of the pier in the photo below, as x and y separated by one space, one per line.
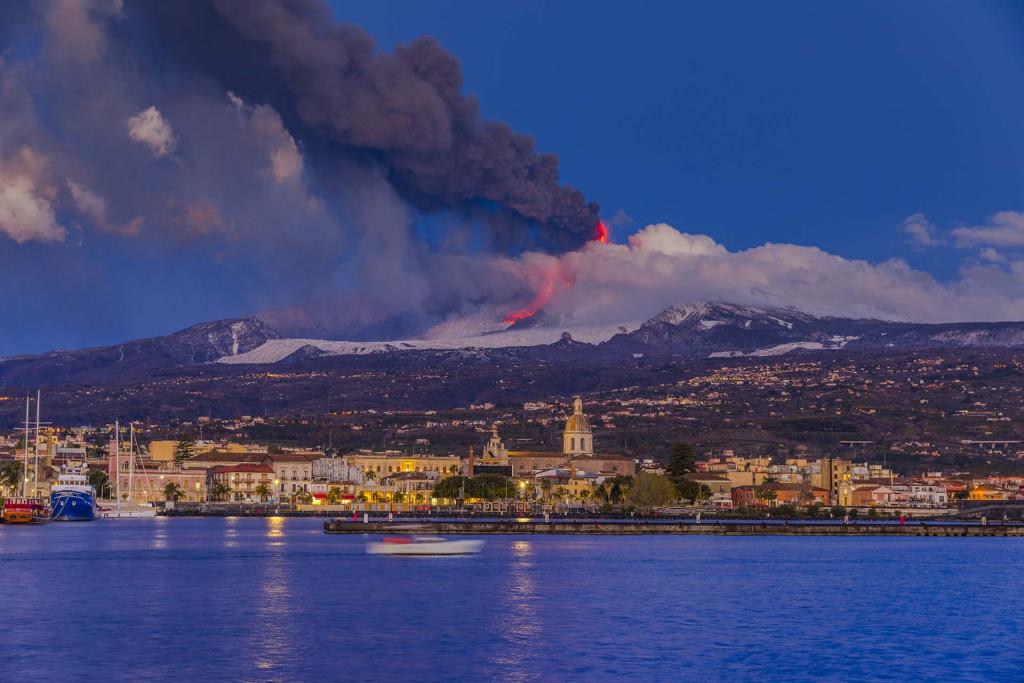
687 527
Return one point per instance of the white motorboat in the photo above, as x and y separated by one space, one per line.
423 545
109 509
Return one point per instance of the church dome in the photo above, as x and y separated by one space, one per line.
577 440
577 423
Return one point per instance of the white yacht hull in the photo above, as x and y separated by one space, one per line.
140 512
415 547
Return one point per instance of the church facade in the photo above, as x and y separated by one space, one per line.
577 452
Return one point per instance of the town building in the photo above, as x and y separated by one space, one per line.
247 482
377 465
775 494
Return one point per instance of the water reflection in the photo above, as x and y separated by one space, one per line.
231 532
275 529
520 624
159 541
273 634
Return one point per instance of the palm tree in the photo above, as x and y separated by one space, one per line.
303 497
263 491
334 495
173 492
220 491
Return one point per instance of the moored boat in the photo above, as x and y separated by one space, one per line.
111 509
25 511
423 545
72 498
124 505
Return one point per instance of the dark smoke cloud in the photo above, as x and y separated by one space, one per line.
164 163
404 109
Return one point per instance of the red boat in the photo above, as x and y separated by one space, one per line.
25 511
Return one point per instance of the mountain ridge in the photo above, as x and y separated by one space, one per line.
702 330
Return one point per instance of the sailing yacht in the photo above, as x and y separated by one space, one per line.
26 509
126 506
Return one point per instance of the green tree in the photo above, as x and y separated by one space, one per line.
489 486
262 491
766 495
173 492
618 488
681 460
10 476
333 495
691 490
184 449
486 486
648 491
450 487
304 497
220 491
99 481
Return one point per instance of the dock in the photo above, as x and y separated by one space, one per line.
657 527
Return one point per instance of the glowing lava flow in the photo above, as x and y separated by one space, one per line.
539 300
543 295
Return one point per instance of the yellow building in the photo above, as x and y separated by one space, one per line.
383 464
986 492
162 450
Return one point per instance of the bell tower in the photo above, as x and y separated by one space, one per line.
577 440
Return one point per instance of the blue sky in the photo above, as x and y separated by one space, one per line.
148 182
817 123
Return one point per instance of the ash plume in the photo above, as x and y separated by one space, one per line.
404 111
194 160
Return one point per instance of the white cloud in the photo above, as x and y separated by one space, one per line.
26 200
285 160
1004 229
991 255
88 202
150 128
661 266
920 230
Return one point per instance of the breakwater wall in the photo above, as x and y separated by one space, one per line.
737 527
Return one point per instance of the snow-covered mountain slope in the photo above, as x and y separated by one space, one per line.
275 350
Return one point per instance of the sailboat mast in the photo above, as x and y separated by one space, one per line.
131 457
35 468
24 474
117 462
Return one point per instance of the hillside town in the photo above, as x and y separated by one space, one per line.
489 476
